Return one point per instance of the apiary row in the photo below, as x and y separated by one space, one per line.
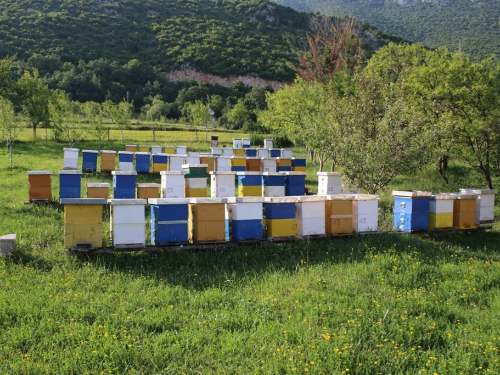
197 221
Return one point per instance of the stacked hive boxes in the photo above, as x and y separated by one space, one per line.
172 184
464 211
125 161
249 184
279 217
169 221
108 160
441 211
196 180
329 183
128 222
310 213
207 221
273 184
160 162
222 184
485 206
244 216
142 162
339 214
83 222
365 213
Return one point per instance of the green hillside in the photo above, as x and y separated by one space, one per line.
473 25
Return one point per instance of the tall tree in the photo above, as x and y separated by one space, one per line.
9 125
120 113
94 113
64 115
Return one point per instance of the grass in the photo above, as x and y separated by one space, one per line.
366 304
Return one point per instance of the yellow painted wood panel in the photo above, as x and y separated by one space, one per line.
75 235
143 149
239 152
280 227
131 148
238 162
441 220
169 150
340 207
464 220
195 193
147 192
283 162
97 192
207 212
341 225
107 162
157 167
249 191
82 214
464 205
203 231
299 169
210 161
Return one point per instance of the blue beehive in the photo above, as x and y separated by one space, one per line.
89 163
274 152
249 184
125 161
142 162
124 184
295 183
251 152
411 211
273 184
70 184
169 221
244 219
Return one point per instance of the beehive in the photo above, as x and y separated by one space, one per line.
226 151
144 148
83 222
131 148
195 180
295 183
238 164
169 221
70 184
283 164
156 149
214 140
172 184
210 161
274 152
181 150
329 183
40 187
485 206
251 152
268 165
97 190
207 221
217 151
298 164
128 222
142 162
222 184
245 142
268 143
253 164
108 160
147 190
124 184
464 211
279 217
286 153
70 158
239 152
339 214
160 162
273 184
193 158
8 244
223 163
169 150
365 213
125 161
310 213
244 215
441 211
237 143
175 162
262 152
89 160
249 184
411 210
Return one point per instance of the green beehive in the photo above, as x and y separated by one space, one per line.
195 170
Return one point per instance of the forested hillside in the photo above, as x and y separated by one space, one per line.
473 25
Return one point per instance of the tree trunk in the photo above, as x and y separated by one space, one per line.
11 164
34 131
442 166
334 164
121 133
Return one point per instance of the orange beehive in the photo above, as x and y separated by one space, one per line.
253 164
108 160
148 190
207 220
464 211
338 214
40 188
97 190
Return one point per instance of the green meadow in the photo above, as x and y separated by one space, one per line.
385 303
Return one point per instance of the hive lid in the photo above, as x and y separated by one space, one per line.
443 196
245 199
223 173
160 201
66 171
169 146
39 172
336 174
177 156
161 154
311 198
83 201
193 154
296 158
148 184
340 197
192 165
238 157
71 149
250 173
262 148
156 146
224 157
466 196
144 146
171 173
280 199
267 158
91 151
284 158
108 152
143 153
286 149
366 197
124 173
273 174
411 193
97 184
127 202
295 173
207 200
130 145
252 157
479 191
126 152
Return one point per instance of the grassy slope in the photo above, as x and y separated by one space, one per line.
390 303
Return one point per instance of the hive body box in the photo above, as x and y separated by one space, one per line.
214 140
97 190
253 164
411 210
268 143
169 221
238 164
128 222
279 217
169 150
196 180
239 152
156 149
286 153
40 187
222 184
160 162
210 161
283 164
295 183
441 211
131 148
124 184
144 148
125 161
310 213
147 190
262 152
273 184
274 152
244 216
268 165
223 164
142 162
8 244
175 162
226 151
245 142
365 213
485 206
83 222
70 158
172 184
89 160
193 158
70 184
249 184
207 221
237 143
464 211
299 164
108 160
181 150
339 214
329 183
216 151
251 152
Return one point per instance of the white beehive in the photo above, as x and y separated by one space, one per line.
310 212
262 152
286 153
217 151
172 184
227 151
175 162
244 208
223 164
192 158
237 143
128 222
70 158
268 164
222 184
268 143
485 205
365 213
245 142
329 183
181 150
156 149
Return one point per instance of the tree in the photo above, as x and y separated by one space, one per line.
7 81
239 115
64 115
199 114
9 125
120 113
35 98
94 113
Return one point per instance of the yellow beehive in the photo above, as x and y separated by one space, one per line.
82 222
169 149
338 214
464 211
237 161
159 167
144 148
280 227
195 192
207 220
441 211
97 190
249 191
210 161
440 220
299 169
239 152
131 148
283 162
108 160
146 191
